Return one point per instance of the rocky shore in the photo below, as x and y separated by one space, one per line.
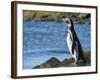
54 62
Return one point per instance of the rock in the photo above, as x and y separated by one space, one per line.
54 62
51 63
68 62
38 66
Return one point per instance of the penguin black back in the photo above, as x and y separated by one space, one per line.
70 25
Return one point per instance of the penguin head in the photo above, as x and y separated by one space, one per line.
69 22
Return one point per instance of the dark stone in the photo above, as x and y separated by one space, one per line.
54 62
51 63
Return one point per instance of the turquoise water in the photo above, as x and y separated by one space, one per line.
46 39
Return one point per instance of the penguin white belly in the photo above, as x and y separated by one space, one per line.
69 44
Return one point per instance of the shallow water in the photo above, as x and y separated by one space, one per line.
43 40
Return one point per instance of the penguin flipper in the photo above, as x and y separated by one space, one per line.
73 47
75 50
77 53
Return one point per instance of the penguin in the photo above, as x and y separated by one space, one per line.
73 42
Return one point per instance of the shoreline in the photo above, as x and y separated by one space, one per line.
54 62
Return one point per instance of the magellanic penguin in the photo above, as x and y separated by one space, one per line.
73 42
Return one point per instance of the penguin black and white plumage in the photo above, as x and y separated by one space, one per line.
73 42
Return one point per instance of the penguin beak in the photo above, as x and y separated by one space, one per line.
67 19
